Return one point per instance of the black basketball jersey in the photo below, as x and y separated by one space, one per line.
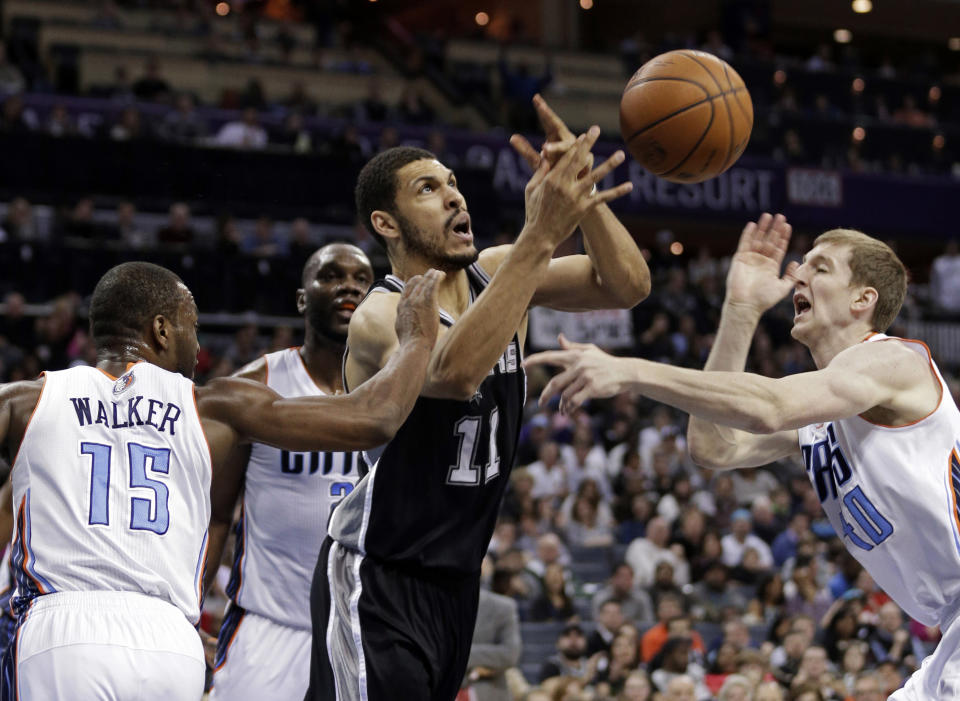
431 495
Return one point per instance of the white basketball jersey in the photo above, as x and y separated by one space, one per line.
287 502
893 496
111 488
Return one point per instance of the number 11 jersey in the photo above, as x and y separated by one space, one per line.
430 500
111 488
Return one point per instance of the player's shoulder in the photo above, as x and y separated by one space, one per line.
23 391
255 370
490 259
374 317
892 360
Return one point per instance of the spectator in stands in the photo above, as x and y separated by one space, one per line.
635 604
637 687
945 279
616 666
14 118
589 522
768 600
550 550
152 86
740 538
128 230
299 100
372 108
821 61
909 114
554 603
129 126
890 640
264 241
715 45
712 598
79 222
750 484
671 617
853 662
634 524
12 81
571 659
18 224
59 122
16 328
346 147
178 228
664 583
766 524
673 664
643 554
107 16
413 109
607 621
388 138
549 478
183 123
294 134
518 85
803 592
868 687
785 544
245 133
736 687
495 647
815 670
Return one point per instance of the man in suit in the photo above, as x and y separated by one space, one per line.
495 647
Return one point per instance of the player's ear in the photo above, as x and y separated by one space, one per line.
866 300
385 224
161 331
301 301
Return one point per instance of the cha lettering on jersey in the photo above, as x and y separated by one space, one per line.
311 463
827 465
508 362
134 411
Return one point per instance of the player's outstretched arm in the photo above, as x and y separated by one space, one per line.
613 274
858 379
754 284
556 200
239 410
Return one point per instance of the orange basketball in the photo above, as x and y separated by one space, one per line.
686 116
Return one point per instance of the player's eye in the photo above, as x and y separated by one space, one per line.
426 187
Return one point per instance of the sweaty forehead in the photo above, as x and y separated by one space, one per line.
342 254
835 253
408 176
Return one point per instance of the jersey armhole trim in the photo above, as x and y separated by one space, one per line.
933 371
33 413
203 432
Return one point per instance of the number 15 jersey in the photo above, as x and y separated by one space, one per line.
892 494
431 500
111 488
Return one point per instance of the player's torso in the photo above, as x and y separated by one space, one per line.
432 496
111 487
892 495
287 502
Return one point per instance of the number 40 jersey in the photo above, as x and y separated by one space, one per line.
111 488
892 494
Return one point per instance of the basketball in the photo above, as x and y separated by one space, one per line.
686 116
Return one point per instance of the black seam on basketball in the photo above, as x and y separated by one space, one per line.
735 98
631 86
726 158
674 114
695 146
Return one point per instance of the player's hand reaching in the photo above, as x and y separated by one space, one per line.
557 196
418 314
586 373
754 279
559 139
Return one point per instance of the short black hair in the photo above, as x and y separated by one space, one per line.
377 183
127 298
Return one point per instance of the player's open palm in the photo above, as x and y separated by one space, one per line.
418 314
754 278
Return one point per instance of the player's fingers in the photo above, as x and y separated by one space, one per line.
575 388
581 151
526 151
567 344
613 193
747 237
556 358
557 384
552 125
605 168
791 272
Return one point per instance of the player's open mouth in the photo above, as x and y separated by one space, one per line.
461 227
800 305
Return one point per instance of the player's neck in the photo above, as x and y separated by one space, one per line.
322 357
116 359
454 291
828 346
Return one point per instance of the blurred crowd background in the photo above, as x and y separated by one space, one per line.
222 139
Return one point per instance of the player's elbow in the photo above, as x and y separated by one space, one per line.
379 427
706 455
448 381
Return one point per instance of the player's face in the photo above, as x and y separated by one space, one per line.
432 215
823 296
186 344
335 281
